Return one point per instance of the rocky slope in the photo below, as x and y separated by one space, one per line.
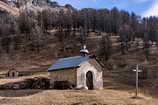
6 7
14 6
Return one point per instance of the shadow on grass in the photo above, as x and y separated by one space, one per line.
115 84
18 93
127 86
24 88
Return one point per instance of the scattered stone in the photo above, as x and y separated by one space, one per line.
34 83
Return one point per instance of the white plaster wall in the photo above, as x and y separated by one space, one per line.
81 76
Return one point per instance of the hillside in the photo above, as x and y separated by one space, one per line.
8 8
31 5
117 90
40 32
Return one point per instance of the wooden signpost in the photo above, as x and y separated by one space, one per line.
137 79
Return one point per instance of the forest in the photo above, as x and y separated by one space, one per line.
31 28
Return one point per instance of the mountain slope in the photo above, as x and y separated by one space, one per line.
32 5
8 8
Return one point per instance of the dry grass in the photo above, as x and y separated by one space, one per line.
11 80
113 94
72 97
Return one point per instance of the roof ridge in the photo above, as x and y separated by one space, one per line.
72 57
69 62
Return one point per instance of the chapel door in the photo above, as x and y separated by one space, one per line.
89 80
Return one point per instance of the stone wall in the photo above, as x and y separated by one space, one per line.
63 75
78 76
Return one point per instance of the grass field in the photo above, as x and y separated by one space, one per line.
73 97
113 94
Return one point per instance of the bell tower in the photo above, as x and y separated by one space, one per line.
84 52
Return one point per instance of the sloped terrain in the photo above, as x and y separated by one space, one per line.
114 93
12 10
31 5
54 97
117 89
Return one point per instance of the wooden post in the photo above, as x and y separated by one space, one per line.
137 80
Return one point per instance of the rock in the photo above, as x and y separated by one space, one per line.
16 86
82 88
34 83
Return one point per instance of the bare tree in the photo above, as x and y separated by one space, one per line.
105 49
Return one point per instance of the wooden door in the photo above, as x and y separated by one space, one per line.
89 80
